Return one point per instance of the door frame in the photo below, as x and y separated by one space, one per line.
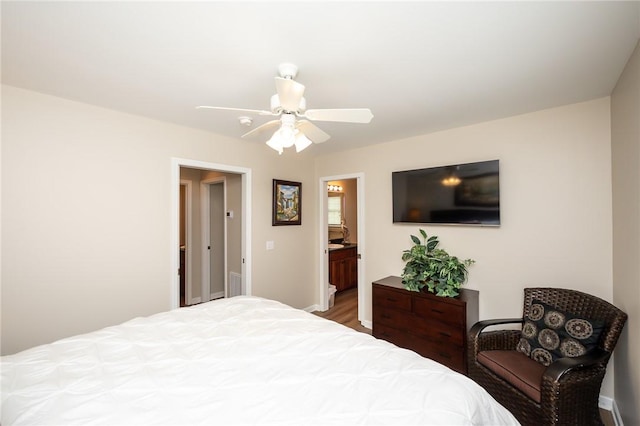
174 226
324 250
205 204
188 209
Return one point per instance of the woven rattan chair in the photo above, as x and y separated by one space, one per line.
567 389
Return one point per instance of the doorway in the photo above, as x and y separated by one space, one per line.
197 263
323 202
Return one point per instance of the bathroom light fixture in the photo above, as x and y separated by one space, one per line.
451 181
334 188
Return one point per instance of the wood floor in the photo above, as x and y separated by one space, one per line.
345 311
607 417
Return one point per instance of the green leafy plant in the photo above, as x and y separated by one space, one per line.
431 267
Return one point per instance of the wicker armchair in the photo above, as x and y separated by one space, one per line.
566 391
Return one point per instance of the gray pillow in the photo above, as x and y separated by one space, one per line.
549 333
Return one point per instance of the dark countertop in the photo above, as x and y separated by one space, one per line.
346 246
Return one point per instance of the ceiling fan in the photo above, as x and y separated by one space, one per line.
292 127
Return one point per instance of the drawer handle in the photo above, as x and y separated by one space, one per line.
390 299
445 334
437 311
385 316
447 356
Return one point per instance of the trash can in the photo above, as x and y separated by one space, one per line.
332 295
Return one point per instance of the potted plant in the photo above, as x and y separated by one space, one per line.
431 267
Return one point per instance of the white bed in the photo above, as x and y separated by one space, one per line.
242 360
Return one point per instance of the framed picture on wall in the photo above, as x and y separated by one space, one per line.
287 203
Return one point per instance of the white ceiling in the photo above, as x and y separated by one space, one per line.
419 66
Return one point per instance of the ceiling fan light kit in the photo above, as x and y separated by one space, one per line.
290 105
288 135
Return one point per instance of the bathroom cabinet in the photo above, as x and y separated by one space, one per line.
343 267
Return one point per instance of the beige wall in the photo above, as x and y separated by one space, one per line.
555 178
625 140
80 254
86 219
351 207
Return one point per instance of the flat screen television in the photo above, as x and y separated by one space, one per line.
467 194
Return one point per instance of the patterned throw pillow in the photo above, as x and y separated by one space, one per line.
549 333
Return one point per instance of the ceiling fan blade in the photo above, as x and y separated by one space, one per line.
311 131
290 93
269 126
256 111
354 115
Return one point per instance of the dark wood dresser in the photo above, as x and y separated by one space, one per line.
435 327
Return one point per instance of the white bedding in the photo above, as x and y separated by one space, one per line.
243 360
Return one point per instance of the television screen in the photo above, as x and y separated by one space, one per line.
458 194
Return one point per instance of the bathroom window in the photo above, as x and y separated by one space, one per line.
335 206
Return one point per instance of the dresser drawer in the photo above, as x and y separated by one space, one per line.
391 299
440 311
400 319
452 357
390 334
438 331
408 322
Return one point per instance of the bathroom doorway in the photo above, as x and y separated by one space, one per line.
349 223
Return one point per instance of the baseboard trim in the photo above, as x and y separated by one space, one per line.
367 324
609 404
617 418
311 308
217 295
195 300
605 402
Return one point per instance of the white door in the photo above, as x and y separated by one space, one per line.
185 246
217 244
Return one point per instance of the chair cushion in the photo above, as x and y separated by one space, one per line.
516 368
549 333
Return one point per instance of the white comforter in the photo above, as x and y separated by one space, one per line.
243 360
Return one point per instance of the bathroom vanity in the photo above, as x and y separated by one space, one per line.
343 267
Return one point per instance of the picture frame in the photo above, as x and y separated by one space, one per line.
287 203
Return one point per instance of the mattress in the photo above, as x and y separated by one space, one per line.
242 360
